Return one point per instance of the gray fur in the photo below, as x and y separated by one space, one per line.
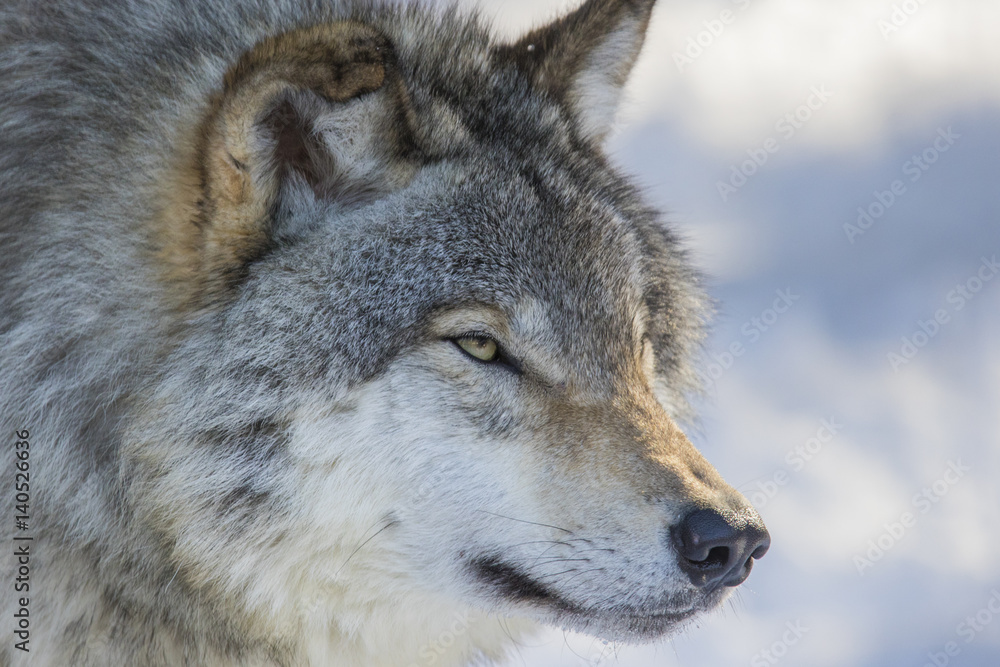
513 199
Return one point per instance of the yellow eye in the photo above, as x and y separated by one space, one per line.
479 347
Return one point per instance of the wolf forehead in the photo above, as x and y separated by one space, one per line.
597 265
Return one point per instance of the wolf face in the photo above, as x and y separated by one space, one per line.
414 347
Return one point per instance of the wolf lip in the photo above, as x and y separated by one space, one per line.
507 580
510 582
630 625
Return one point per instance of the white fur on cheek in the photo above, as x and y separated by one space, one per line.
362 598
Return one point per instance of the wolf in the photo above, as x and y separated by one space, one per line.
330 335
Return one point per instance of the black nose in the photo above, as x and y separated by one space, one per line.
719 549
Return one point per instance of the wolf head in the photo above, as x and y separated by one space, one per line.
430 346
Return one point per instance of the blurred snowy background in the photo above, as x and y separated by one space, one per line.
847 156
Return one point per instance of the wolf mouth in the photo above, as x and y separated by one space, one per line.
511 583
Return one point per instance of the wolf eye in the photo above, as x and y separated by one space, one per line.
479 347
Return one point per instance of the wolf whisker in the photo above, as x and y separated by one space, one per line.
533 523
391 523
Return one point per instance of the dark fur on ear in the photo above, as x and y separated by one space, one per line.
584 58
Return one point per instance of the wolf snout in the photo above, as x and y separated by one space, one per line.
717 548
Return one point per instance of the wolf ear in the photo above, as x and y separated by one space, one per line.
313 113
583 59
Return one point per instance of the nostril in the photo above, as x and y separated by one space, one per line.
719 549
762 545
717 557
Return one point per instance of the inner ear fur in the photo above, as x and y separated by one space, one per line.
274 125
584 58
